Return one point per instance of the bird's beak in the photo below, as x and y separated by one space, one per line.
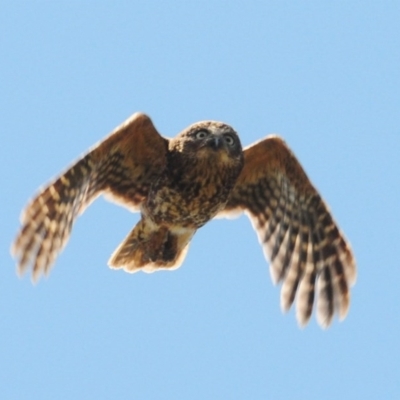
215 142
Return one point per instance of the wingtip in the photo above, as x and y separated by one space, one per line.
20 271
344 308
302 320
137 116
324 320
13 250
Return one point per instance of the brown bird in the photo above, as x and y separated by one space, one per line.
178 185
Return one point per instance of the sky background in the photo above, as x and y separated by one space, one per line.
325 76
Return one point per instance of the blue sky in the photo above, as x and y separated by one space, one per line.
324 76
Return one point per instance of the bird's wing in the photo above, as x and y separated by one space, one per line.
123 166
296 230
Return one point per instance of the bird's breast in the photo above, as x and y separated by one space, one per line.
190 195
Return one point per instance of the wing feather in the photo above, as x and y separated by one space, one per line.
305 248
122 166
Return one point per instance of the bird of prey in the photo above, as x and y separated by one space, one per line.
180 184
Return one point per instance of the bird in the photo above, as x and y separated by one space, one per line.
180 184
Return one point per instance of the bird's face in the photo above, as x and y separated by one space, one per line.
210 140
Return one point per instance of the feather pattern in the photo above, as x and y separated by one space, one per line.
304 246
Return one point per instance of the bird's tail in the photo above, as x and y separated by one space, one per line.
150 247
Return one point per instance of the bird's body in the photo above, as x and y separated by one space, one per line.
180 184
190 190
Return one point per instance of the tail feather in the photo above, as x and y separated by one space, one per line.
149 247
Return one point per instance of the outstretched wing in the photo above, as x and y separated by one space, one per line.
123 166
298 234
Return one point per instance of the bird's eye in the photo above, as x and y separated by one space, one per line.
201 134
230 141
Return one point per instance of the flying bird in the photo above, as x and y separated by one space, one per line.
180 184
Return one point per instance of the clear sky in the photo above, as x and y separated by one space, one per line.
324 75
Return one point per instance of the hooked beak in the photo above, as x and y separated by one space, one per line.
215 142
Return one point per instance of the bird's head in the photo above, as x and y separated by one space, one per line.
212 140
